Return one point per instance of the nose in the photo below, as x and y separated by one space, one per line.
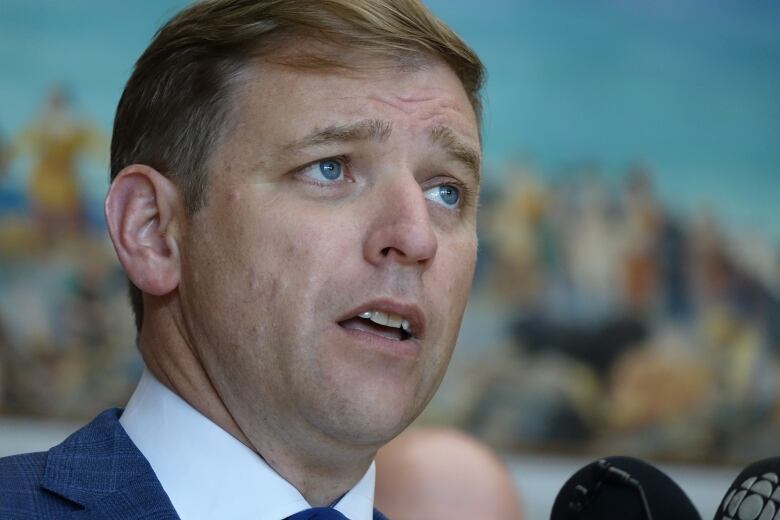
401 229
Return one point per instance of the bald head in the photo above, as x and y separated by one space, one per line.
437 474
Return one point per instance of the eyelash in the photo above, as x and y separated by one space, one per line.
465 200
342 159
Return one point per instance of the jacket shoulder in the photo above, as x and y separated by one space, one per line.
97 471
21 493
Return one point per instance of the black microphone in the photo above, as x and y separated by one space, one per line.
622 488
754 494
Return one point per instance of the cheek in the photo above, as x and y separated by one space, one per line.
458 263
296 265
311 252
450 288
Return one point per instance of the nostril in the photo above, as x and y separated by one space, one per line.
385 251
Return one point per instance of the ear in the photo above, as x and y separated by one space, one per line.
144 214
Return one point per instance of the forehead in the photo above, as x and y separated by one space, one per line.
283 101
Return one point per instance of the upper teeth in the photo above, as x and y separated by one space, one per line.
386 318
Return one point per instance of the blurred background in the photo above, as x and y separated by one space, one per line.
627 298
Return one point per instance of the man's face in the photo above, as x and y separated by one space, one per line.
335 195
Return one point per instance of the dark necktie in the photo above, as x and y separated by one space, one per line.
318 513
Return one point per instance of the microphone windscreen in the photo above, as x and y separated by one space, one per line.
595 493
755 493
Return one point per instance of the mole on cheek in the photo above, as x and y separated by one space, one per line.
291 250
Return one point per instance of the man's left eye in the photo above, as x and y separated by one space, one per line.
445 194
326 170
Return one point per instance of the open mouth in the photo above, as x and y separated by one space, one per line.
385 324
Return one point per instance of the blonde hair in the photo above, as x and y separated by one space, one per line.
176 105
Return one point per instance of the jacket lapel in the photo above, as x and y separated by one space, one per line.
100 469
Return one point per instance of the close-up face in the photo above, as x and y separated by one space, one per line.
325 279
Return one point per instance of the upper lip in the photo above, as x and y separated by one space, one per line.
409 311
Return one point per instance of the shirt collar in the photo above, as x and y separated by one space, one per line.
207 473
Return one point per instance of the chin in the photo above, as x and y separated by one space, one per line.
372 417
374 433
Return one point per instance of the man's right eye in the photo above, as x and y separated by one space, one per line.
326 171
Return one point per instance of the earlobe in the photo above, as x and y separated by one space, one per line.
143 212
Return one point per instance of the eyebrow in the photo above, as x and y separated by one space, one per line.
366 130
455 147
379 131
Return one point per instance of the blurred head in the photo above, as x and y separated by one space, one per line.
294 199
437 474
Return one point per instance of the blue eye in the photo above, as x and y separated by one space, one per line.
446 194
326 171
449 194
330 169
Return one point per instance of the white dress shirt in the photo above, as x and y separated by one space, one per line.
207 473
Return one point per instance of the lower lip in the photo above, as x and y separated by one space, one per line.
409 348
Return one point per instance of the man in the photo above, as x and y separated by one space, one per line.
293 199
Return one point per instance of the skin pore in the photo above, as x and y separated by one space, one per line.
333 193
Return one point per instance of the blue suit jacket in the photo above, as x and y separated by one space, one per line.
96 473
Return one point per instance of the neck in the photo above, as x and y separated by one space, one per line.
320 468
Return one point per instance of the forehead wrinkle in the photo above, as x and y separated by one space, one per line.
454 146
365 130
411 103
